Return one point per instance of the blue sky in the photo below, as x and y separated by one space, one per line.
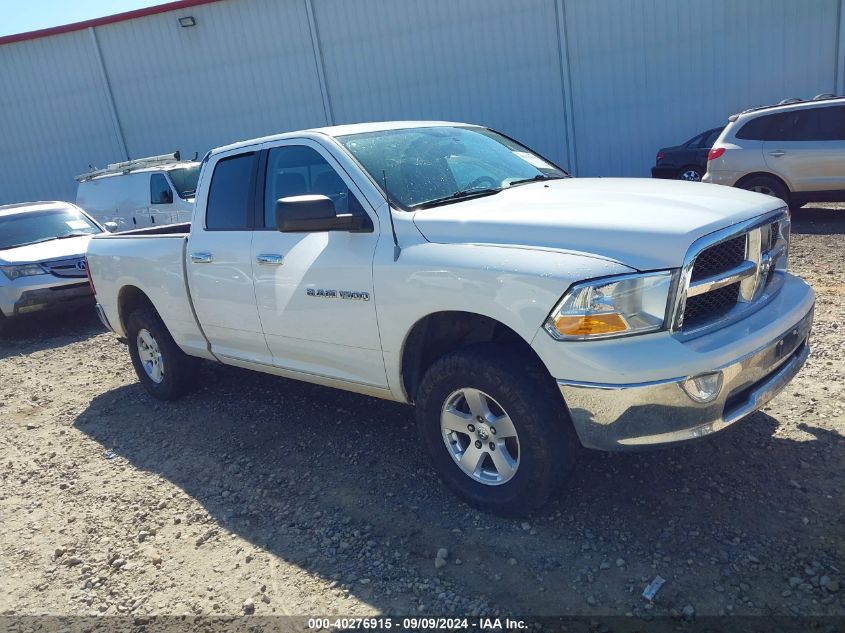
19 16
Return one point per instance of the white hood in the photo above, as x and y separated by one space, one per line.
45 251
642 223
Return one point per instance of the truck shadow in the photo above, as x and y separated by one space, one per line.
337 484
40 332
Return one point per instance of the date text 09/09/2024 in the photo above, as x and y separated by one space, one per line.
417 623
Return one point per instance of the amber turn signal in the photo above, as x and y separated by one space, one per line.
584 325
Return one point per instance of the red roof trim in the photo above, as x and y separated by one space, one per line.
109 19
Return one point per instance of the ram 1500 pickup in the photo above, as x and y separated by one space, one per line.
448 266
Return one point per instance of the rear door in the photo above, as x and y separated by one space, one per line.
220 263
806 147
315 290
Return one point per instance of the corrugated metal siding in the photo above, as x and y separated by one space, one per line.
643 73
246 69
54 117
493 62
652 73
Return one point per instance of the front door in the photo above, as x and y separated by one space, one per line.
315 290
162 209
219 262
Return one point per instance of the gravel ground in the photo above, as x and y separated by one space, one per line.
263 495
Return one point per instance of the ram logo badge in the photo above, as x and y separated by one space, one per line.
334 294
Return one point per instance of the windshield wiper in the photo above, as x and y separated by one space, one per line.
67 235
458 196
536 178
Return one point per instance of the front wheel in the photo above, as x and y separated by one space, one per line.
495 429
164 370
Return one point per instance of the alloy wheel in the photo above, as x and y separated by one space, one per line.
150 355
480 436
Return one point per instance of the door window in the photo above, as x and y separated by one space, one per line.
160 192
297 170
808 124
230 194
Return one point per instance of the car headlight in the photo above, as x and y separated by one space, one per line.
22 270
613 306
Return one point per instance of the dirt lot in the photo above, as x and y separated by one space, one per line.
270 496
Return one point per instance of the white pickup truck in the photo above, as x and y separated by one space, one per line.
448 266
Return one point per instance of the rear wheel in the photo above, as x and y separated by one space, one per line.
768 186
164 370
495 429
691 173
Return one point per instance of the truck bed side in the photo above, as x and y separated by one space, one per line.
153 263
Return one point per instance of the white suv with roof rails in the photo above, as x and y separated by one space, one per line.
794 151
140 193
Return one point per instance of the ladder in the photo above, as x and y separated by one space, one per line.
129 165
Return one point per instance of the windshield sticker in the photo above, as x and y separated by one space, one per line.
536 161
76 224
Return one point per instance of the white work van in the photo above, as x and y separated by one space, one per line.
140 193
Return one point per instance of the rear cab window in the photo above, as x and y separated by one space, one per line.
230 195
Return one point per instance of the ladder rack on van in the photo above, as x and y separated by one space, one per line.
129 165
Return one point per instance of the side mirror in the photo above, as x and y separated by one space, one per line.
313 214
111 227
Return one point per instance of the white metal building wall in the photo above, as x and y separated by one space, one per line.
597 85
652 73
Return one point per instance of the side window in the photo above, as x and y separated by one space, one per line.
830 123
756 129
160 192
297 170
228 206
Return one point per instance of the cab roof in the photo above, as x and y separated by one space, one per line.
335 131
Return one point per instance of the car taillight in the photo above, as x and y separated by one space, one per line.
715 153
88 272
660 156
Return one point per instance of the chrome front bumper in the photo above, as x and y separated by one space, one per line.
625 417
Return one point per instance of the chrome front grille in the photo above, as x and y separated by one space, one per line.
70 267
731 272
720 258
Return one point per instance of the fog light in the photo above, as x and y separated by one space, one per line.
704 387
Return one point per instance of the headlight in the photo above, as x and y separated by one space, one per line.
23 270
614 306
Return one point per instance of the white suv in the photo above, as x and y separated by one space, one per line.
794 151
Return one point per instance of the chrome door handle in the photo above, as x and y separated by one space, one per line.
270 259
202 258
777 153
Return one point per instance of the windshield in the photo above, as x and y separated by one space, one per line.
184 179
31 227
430 166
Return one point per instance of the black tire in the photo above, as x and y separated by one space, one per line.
769 186
547 444
4 325
684 171
179 369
